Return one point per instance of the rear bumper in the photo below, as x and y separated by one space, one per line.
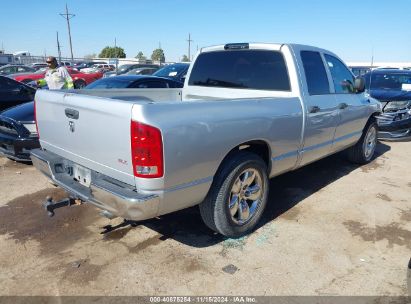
115 197
17 148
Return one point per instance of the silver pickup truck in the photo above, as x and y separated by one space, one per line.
247 112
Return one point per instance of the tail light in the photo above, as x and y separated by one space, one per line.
35 119
146 150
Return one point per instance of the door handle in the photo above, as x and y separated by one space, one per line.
72 114
342 105
314 109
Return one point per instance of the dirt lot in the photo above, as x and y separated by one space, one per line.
332 228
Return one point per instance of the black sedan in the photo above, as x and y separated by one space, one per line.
13 93
392 87
18 133
134 81
176 71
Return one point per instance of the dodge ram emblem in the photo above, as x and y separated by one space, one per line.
71 125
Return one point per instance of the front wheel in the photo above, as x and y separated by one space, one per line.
363 151
79 84
238 196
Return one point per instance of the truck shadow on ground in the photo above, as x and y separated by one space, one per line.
286 191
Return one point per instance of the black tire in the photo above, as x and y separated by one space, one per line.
79 84
215 209
362 152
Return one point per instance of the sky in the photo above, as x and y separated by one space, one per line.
354 30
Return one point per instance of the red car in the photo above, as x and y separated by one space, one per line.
80 80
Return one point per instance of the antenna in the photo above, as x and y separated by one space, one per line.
189 46
372 65
68 16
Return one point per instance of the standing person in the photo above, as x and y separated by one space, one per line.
56 77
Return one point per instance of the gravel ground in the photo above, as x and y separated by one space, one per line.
331 228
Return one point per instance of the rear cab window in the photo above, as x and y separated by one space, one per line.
241 69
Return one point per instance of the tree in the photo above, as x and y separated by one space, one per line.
112 52
90 56
185 59
140 56
158 55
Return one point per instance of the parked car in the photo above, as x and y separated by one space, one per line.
141 71
125 68
38 65
176 71
101 67
80 80
15 68
13 93
134 81
18 134
15 140
247 112
85 64
392 87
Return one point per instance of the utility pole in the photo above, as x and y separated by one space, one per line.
68 16
115 47
189 46
58 47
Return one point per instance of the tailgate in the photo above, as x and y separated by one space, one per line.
91 131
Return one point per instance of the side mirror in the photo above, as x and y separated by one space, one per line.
359 84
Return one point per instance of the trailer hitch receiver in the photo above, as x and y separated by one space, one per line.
51 205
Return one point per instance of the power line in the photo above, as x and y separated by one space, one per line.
68 16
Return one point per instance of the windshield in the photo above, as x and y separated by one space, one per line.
172 71
110 83
40 71
389 81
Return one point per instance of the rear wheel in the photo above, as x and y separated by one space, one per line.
238 196
363 151
79 84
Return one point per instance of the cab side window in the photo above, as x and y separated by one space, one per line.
315 74
342 77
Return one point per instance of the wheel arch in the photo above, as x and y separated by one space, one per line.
79 80
258 147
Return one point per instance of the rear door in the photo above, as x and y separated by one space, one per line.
320 106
